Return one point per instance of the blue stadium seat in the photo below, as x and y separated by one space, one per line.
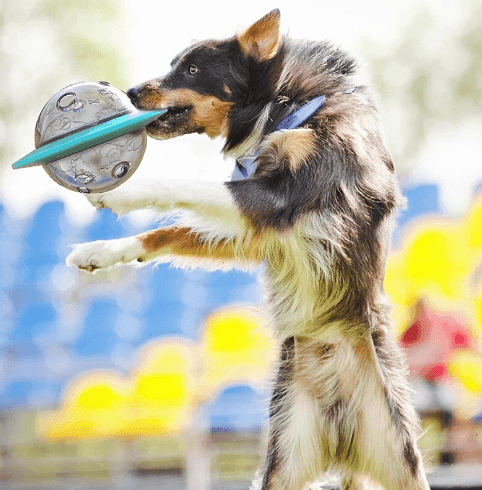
232 287
21 394
2 245
40 251
16 395
45 393
422 200
238 408
221 279
106 226
164 283
164 312
98 337
35 321
162 318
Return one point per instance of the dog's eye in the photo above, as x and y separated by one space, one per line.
193 69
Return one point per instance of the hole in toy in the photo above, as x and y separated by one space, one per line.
120 169
67 101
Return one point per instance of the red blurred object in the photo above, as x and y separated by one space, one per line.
432 337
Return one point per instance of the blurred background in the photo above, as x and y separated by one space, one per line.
157 377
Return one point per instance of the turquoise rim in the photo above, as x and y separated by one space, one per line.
95 135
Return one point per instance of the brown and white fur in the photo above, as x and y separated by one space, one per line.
318 213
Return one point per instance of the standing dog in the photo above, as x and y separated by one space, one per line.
317 211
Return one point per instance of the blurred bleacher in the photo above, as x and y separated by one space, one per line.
58 326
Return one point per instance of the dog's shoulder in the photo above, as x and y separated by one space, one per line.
335 161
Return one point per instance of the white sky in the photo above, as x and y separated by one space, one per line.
158 30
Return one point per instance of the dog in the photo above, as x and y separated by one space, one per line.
315 203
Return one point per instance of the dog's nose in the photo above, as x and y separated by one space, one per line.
133 93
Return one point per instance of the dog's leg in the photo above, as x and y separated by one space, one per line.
335 406
170 242
294 453
394 459
384 445
356 483
222 235
212 200
297 452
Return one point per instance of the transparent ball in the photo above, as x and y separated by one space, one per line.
99 168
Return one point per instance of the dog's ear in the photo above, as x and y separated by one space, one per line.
261 40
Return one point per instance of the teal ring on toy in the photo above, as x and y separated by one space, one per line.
86 138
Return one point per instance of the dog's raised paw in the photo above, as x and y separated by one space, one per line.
123 200
103 254
96 200
110 200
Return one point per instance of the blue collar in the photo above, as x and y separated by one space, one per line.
247 164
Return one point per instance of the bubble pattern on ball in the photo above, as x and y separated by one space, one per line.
101 167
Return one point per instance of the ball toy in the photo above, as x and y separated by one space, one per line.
89 137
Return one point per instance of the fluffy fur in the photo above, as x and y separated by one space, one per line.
318 213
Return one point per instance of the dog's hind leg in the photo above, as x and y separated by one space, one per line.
293 447
313 425
388 423
336 406
384 448
357 483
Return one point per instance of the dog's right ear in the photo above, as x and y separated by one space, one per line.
261 40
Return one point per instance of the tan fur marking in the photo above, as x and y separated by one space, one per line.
261 40
209 112
227 90
292 147
184 242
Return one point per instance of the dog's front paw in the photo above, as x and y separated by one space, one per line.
118 201
136 195
96 200
103 254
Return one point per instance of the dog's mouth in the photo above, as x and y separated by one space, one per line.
174 113
169 123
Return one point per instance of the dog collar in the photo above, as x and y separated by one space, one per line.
247 164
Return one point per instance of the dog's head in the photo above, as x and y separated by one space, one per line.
208 79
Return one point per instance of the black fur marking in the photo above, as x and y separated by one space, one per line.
335 410
345 449
213 60
284 378
349 485
338 62
346 445
278 404
279 199
410 457
242 121
271 463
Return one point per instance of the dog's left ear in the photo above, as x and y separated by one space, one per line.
261 40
